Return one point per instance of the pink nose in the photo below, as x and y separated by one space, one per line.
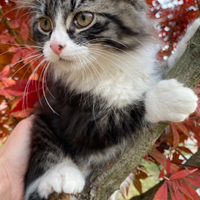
57 48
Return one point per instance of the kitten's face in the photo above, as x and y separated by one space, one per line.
75 31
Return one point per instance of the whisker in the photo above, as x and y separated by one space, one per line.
16 8
34 58
112 55
19 62
123 69
15 49
44 93
28 83
40 80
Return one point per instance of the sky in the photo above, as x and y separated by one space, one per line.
170 3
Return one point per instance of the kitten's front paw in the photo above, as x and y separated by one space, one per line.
169 101
63 178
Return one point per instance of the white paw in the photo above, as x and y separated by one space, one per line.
116 195
124 187
63 178
169 101
122 193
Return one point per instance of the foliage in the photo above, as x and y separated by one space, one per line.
179 184
22 84
21 71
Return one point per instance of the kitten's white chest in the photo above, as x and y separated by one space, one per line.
118 78
122 90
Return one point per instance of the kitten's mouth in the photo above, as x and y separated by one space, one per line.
65 60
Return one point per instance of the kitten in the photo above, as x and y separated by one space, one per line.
104 86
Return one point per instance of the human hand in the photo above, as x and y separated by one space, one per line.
14 156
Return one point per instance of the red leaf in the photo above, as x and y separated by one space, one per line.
175 184
194 171
185 149
23 113
16 57
176 138
179 196
171 191
13 49
25 30
3 92
194 181
179 174
162 173
159 157
138 185
185 191
27 102
183 129
14 23
18 89
161 193
5 38
168 169
190 191
32 94
4 72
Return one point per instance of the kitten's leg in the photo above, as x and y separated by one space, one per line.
64 177
49 169
169 101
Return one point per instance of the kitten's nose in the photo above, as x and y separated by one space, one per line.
57 48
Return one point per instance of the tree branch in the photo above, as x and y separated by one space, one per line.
105 180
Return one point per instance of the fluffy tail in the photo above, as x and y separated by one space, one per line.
183 43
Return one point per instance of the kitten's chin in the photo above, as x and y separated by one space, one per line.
68 64
58 60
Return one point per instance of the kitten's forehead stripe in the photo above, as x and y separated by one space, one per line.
119 23
80 3
73 5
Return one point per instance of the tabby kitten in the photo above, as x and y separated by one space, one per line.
104 87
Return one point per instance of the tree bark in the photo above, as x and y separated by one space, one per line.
105 180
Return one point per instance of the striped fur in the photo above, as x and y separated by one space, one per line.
99 86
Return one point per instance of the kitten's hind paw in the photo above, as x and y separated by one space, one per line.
122 193
63 178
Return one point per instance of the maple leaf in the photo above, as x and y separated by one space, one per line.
29 92
16 57
5 82
25 30
139 174
180 181
161 193
160 158
14 23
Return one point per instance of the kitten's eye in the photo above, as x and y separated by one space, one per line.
83 19
45 24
